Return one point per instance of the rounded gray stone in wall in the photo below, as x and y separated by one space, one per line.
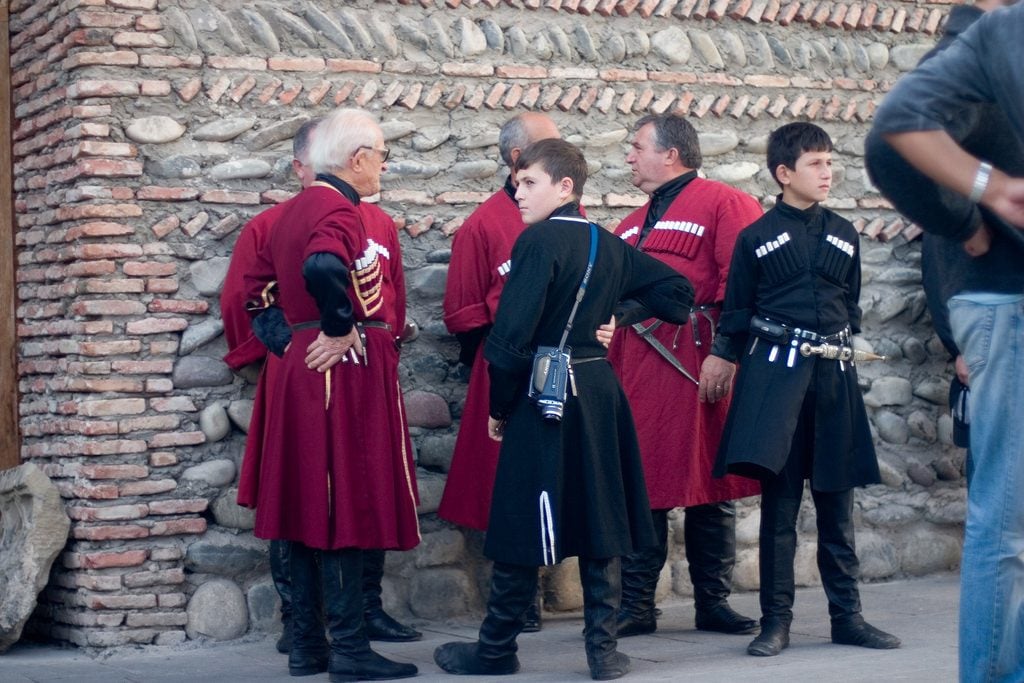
493 34
933 389
439 36
891 427
731 47
229 514
878 54
439 256
946 469
240 412
436 451
759 51
561 43
914 350
208 275
214 423
439 548
472 40
891 477
734 173
614 48
217 611
756 145
718 142
473 170
401 171
585 43
431 488
241 169
841 52
672 45
199 334
154 130
861 58
426 409
200 371
395 129
222 130
889 391
906 57
638 43
923 552
922 426
945 430
518 43
779 51
264 607
890 515
705 47
430 137
947 506
382 33
542 47
175 166
214 473
181 27
879 557
260 29
428 282
226 554
921 474
822 56
439 594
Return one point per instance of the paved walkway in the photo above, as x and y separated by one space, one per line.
923 612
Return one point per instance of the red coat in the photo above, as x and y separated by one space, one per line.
481 253
678 434
336 467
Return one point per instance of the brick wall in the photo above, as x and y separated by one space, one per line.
146 133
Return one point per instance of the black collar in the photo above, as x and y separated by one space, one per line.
567 210
803 215
340 185
663 197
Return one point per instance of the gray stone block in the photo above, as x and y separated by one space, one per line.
214 423
208 275
199 334
240 169
154 130
264 606
672 45
199 371
428 282
226 554
889 391
436 451
439 548
924 552
230 515
213 473
431 488
933 389
439 594
222 130
879 557
240 412
217 611
35 528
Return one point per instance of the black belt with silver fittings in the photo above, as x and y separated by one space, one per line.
800 341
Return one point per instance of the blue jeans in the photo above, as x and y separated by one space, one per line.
989 329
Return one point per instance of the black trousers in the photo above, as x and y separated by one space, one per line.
780 505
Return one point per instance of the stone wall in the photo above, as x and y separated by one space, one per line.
148 131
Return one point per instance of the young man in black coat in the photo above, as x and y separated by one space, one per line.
795 282
574 485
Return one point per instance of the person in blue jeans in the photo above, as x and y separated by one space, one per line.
984 66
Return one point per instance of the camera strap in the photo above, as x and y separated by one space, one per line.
583 286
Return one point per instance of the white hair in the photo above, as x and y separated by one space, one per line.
339 136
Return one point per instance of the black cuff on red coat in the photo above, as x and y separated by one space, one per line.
271 328
327 282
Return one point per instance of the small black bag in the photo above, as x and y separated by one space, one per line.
769 330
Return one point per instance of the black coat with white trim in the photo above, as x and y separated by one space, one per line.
800 268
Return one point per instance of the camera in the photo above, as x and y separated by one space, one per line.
549 380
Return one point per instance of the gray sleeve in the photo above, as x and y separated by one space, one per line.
983 65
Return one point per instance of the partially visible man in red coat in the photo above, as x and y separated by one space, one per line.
336 474
481 254
244 349
691 224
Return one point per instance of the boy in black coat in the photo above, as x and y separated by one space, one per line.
795 280
572 486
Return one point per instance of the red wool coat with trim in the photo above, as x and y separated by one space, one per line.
481 256
678 434
335 467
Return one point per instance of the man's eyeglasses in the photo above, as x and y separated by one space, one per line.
383 151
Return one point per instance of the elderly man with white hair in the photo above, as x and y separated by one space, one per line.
337 475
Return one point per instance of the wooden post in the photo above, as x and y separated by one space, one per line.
10 441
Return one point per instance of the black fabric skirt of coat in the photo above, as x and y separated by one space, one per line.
766 406
589 466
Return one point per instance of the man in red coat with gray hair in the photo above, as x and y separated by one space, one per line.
245 349
691 224
336 476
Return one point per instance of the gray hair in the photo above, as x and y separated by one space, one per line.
300 143
513 134
674 131
339 136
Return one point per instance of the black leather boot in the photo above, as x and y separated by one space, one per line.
279 572
777 552
513 588
534 619
710 537
640 572
308 653
602 590
379 624
853 630
351 657
773 638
